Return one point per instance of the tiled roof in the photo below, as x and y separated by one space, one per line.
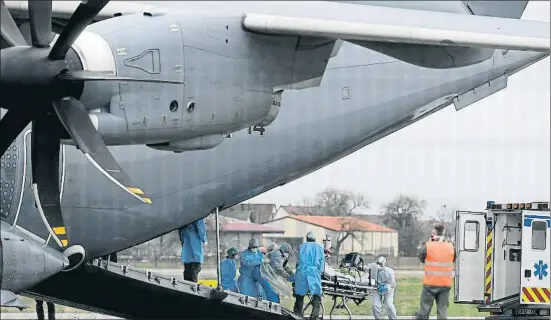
234 225
342 223
253 212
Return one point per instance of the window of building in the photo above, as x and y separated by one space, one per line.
470 236
539 235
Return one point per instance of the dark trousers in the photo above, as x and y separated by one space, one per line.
191 271
40 310
429 294
316 306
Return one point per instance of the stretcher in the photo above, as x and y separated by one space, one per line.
343 288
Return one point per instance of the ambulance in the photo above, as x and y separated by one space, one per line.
503 260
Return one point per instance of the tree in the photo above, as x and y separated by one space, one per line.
402 214
340 203
446 216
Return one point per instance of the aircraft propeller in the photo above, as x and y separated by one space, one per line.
40 85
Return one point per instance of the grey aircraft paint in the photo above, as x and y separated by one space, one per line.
363 96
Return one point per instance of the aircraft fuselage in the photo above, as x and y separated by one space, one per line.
363 96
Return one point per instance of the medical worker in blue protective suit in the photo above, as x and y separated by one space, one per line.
228 270
250 279
310 266
194 238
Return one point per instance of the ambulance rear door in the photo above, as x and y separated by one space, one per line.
470 247
535 279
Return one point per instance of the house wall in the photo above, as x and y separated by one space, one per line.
374 243
294 228
240 240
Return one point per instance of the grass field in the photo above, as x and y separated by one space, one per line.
406 300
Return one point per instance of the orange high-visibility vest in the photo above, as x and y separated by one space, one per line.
439 264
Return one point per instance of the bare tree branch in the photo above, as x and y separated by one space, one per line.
339 203
403 214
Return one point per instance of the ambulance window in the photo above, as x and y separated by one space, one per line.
539 235
470 236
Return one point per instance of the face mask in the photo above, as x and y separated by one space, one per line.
236 257
285 255
254 249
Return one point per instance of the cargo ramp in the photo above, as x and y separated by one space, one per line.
121 291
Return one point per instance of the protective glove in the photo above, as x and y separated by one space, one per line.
382 289
291 278
265 260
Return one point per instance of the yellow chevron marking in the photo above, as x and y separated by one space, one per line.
488 280
147 200
534 296
210 283
135 190
525 298
544 296
59 230
64 242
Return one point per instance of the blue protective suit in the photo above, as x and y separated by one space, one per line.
250 280
193 236
228 270
250 264
311 263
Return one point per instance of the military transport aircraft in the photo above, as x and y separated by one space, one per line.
206 104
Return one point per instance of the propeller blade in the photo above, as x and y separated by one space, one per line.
11 125
45 146
76 120
40 18
8 28
85 75
83 15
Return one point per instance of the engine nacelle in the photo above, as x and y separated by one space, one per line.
197 143
26 262
222 78
273 111
436 57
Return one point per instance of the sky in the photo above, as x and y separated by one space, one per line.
496 149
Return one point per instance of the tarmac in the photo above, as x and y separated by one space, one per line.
210 273
27 315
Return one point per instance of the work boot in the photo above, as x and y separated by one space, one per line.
316 306
299 305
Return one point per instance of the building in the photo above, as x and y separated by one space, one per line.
237 233
251 212
361 236
290 210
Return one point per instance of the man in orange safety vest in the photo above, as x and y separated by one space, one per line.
438 256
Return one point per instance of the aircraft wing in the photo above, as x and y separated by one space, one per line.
355 22
64 9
